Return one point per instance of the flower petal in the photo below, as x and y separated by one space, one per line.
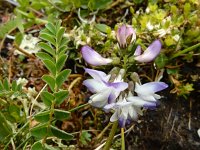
137 101
138 51
93 58
120 86
121 35
94 86
100 99
115 116
98 75
150 88
150 53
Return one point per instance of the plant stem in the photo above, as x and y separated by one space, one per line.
111 135
185 50
78 107
122 137
102 132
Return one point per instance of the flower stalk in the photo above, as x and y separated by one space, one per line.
111 136
122 139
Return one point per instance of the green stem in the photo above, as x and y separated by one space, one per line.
16 134
123 141
104 130
111 136
78 107
185 51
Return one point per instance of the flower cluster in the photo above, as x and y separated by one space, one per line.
111 94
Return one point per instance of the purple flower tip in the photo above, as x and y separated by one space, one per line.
93 58
150 53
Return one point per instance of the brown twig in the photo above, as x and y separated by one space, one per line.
24 52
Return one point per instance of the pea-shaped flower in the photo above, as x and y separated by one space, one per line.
125 35
149 54
93 58
105 92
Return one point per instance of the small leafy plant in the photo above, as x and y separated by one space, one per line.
54 58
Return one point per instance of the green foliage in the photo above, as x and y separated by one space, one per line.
85 137
54 58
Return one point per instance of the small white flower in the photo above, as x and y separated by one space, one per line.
176 37
147 10
149 26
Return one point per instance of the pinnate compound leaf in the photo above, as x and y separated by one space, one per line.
37 146
50 66
62 77
61 62
44 56
61 96
61 134
50 81
61 114
47 48
43 117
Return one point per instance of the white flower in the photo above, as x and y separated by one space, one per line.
149 26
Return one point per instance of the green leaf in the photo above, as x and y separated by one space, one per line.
44 56
62 77
61 62
61 114
1 86
19 22
51 28
59 35
100 4
187 9
14 111
161 61
37 146
43 117
63 42
50 81
47 48
85 137
47 98
19 87
62 49
14 85
61 134
48 38
5 128
7 28
18 38
40 131
103 28
6 84
61 96
50 66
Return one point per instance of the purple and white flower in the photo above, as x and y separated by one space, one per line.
125 35
149 54
94 58
126 111
105 92
147 91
